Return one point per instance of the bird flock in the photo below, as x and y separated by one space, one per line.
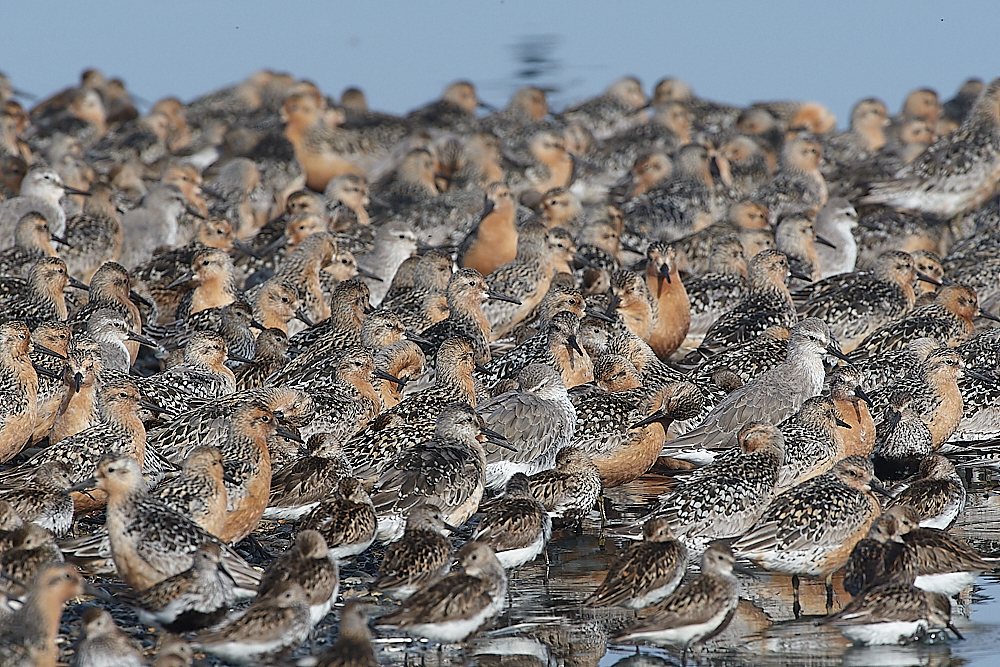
254 340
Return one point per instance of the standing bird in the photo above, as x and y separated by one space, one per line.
695 612
517 526
812 528
41 191
418 559
149 541
457 605
646 572
309 564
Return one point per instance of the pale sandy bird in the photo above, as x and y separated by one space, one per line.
103 643
173 652
270 628
28 638
394 242
152 225
310 565
41 191
957 172
834 223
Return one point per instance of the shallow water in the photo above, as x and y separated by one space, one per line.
547 626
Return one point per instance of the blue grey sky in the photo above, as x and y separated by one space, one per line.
403 53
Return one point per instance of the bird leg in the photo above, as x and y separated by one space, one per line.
829 593
796 607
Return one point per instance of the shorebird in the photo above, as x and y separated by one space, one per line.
725 498
517 527
672 317
797 186
681 203
42 299
466 293
944 564
346 519
644 573
524 281
571 489
957 172
813 442
538 420
772 396
834 223
948 318
41 191
812 528
31 549
938 496
95 235
795 236
298 487
353 647
149 541
418 559
310 565
624 431
882 557
18 389
903 440
460 603
28 637
32 242
695 612
493 242
199 491
934 391
767 303
45 500
196 598
854 305
270 628
152 225
104 643
449 469
852 404
556 345
892 614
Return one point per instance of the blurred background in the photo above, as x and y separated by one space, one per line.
404 53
